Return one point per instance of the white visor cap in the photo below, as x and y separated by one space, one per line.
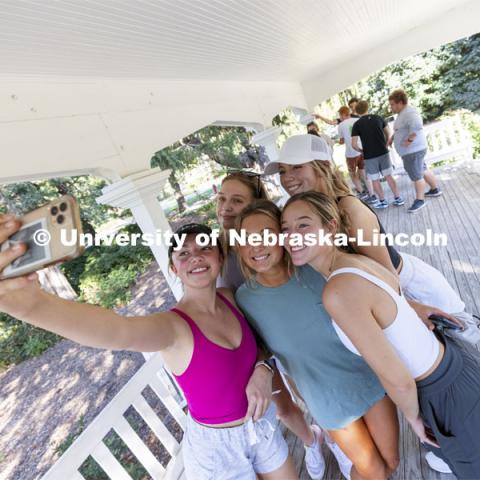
299 149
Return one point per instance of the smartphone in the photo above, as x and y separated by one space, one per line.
52 234
443 322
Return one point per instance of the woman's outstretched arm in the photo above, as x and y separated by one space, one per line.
86 324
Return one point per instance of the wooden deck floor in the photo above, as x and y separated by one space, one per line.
456 213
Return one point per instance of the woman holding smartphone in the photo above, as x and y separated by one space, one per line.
206 343
433 382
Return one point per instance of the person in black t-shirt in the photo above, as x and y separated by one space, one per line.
352 103
374 135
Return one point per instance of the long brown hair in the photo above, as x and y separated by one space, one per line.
260 207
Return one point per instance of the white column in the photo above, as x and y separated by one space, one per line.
139 192
268 139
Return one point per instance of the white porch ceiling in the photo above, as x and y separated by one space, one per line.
199 39
101 85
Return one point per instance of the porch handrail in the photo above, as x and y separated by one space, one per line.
90 441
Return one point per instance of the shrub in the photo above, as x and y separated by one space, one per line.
20 341
104 274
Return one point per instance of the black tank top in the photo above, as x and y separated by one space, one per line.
395 257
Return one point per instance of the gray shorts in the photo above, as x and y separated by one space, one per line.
236 453
414 164
449 401
377 166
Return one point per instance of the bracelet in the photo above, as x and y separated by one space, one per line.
265 364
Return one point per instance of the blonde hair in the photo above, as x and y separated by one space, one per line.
336 185
260 207
326 208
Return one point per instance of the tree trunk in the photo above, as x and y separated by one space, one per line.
182 204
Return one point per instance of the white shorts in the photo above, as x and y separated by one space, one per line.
425 284
236 453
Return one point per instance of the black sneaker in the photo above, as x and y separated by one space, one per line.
416 206
363 195
433 192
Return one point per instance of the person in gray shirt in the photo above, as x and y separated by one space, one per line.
411 144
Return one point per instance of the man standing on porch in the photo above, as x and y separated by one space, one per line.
374 135
411 144
355 161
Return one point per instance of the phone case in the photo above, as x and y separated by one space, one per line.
52 234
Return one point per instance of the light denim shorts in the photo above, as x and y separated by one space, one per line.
236 453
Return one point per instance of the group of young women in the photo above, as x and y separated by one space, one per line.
347 325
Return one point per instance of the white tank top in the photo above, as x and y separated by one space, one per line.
414 343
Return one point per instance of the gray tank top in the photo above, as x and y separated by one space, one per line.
337 385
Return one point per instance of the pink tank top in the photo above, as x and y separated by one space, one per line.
215 380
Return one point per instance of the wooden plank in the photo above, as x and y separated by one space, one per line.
464 208
139 449
461 209
109 463
160 430
456 234
169 402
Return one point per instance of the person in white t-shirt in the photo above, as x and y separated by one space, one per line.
355 161
411 144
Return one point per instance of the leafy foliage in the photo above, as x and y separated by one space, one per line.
103 275
20 341
441 79
22 197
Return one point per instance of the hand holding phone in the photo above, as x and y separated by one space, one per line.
444 322
41 231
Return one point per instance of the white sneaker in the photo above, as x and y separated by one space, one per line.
344 462
436 463
314 460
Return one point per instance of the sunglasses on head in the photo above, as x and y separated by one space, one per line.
249 174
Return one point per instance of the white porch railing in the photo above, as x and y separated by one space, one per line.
90 442
446 139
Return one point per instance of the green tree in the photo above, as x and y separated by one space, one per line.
442 79
25 196
228 146
176 158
